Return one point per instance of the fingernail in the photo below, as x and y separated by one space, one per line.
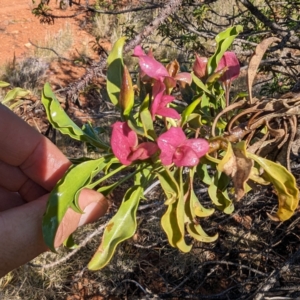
93 212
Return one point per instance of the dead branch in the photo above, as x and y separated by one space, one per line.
97 68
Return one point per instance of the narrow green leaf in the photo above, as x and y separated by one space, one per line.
56 114
62 122
194 209
169 224
218 194
15 94
198 208
189 110
284 183
197 232
4 84
63 195
168 183
148 125
194 121
180 215
172 221
120 228
200 84
203 172
224 41
115 71
70 243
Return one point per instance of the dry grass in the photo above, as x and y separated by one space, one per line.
251 248
60 42
252 253
27 73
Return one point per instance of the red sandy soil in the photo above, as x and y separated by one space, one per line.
18 25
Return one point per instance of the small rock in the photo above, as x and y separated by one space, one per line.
27 45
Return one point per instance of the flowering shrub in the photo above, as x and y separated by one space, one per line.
171 141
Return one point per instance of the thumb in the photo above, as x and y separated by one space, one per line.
94 206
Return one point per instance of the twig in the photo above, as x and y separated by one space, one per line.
169 9
50 49
272 278
124 11
132 281
97 68
99 230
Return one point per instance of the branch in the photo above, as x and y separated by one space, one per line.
50 49
261 17
170 8
124 11
272 278
286 35
97 68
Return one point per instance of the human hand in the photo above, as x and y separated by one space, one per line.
30 166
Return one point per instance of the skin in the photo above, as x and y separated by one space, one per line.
30 166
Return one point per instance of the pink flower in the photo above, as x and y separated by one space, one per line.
160 101
149 65
230 61
199 66
124 144
154 69
176 148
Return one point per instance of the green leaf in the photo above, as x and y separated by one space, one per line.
218 193
62 122
146 119
194 121
206 107
170 225
224 41
216 75
189 110
193 209
172 221
63 195
15 94
203 172
92 132
181 216
132 123
70 243
198 208
284 183
115 71
120 228
169 184
4 84
57 116
197 232
200 84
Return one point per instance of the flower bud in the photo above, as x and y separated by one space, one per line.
230 61
126 98
199 67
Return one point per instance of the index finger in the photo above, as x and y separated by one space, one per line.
22 146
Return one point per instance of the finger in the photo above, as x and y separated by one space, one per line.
21 234
14 180
94 206
9 200
21 230
35 155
